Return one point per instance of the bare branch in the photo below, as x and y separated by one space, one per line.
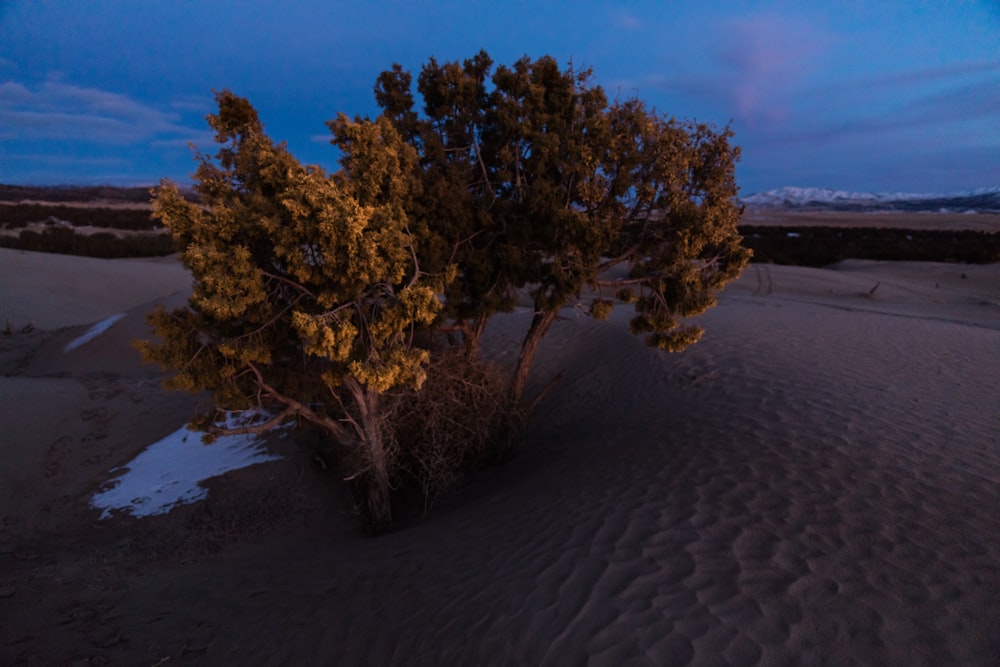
288 281
254 429
619 283
615 261
300 409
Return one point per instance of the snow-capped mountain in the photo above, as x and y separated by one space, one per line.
981 200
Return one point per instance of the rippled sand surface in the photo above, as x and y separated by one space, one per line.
816 482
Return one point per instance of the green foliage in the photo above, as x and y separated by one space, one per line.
19 215
65 240
306 287
294 270
531 179
601 308
310 288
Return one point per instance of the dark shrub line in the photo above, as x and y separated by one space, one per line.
71 193
802 246
16 216
104 245
819 246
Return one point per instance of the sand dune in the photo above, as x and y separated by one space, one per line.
816 482
54 291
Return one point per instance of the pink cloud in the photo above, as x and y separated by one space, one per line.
766 60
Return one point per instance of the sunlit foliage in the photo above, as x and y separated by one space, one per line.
306 287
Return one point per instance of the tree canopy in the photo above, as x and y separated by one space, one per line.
531 179
306 286
310 288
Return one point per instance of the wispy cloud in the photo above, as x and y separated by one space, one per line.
194 104
201 141
972 101
905 107
928 75
752 69
625 20
55 110
74 160
765 59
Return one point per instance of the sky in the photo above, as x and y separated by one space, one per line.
880 96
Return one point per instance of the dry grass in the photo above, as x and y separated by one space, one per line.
459 421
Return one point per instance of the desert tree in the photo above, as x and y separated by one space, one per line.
452 213
307 288
532 180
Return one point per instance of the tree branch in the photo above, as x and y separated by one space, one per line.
254 429
618 283
300 409
288 281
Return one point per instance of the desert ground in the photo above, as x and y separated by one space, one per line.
816 482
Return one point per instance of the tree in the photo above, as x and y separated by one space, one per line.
539 183
311 288
307 289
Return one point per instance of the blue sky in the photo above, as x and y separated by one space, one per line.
883 96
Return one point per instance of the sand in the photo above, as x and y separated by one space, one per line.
52 291
816 482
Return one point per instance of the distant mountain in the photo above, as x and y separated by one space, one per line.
984 200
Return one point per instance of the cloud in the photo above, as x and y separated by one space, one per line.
888 111
55 110
626 20
974 101
203 141
928 75
74 160
764 60
194 104
754 70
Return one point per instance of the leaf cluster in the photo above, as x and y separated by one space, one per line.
531 178
302 280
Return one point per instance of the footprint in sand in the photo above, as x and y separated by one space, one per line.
94 413
198 641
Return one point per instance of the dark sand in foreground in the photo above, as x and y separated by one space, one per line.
816 482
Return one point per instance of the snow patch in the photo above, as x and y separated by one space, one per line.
168 472
93 332
801 196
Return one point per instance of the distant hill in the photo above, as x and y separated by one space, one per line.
105 194
986 200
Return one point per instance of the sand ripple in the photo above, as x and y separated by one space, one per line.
814 483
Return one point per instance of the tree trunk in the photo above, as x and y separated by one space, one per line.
472 334
540 324
379 503
376 504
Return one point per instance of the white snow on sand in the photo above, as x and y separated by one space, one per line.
93 332
168 472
